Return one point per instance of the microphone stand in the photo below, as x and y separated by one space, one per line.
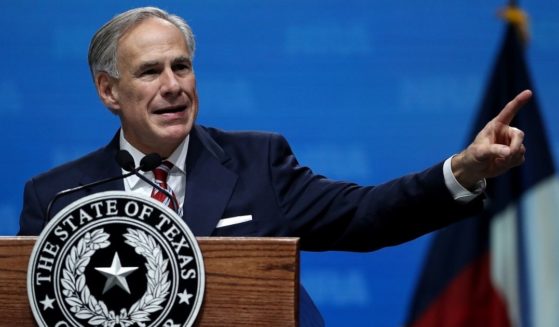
81 187
126 162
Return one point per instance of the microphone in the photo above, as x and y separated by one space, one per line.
125 161
149 162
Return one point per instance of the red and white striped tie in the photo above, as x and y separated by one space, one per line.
161 174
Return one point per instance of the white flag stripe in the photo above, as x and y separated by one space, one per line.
541 228
504 260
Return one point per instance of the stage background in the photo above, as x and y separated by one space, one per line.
364 91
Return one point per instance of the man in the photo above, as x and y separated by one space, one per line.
250 184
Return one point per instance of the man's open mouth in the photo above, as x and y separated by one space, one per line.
170 110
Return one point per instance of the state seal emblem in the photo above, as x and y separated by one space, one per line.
116 259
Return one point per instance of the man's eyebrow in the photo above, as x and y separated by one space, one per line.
155 63
182 60
147 65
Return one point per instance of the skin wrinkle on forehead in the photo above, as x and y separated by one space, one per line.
128 30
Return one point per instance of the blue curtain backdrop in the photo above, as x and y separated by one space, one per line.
363 90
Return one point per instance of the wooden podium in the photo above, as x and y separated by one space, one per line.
249 281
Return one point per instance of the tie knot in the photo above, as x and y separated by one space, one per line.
161 173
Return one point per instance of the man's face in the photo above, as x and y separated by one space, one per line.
155 95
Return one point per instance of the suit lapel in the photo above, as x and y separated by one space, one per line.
209 183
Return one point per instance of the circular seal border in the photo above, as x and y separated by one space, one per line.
58 265
178 221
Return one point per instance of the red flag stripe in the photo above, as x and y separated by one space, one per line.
469 300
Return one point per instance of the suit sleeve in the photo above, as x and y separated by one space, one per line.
333 215
32 218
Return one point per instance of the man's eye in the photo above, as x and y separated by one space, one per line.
149 72
182 67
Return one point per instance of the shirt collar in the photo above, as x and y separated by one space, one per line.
177 158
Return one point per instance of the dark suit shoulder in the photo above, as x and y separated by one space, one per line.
41 189
89 167
71 167
223 137
256 145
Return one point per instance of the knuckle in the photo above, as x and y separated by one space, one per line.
517 132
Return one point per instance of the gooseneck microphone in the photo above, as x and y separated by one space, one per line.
152 160
125 161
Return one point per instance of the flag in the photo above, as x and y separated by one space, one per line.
500 268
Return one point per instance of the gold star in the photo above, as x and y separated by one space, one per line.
517 17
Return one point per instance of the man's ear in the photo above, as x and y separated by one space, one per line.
107 90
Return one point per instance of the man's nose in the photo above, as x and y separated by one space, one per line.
169 84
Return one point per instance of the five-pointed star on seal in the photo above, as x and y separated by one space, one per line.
116 275
184 297
47 303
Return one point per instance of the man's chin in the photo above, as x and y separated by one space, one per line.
175 136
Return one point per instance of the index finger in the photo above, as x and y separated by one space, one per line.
511 109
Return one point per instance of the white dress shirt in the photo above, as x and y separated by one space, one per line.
177 175
459 192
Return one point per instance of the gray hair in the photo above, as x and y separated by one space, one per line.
103 48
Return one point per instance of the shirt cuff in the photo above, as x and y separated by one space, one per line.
459 192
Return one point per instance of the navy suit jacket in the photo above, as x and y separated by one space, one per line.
232 174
